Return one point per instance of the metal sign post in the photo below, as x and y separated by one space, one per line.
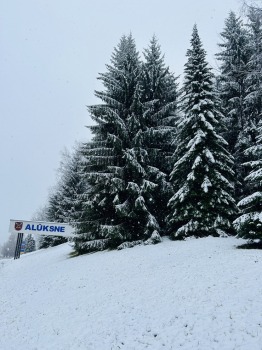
18 245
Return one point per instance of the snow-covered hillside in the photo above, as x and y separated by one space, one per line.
199 294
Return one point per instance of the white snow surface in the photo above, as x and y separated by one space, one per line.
197 294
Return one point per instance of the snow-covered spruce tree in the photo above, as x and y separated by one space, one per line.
65 206
29 243
249 224
52 215
234 57
159 100
64 203
117 163
202 204
253 98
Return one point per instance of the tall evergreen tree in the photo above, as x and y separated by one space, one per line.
202 204
234 57
249 224
52 215
159 101
118 169
159 98
63 203
253 98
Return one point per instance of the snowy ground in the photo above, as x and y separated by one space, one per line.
200 294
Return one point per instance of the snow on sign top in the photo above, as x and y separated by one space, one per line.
41 227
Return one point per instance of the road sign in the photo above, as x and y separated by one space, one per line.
37 227
41 228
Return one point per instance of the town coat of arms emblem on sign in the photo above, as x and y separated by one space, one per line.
18 226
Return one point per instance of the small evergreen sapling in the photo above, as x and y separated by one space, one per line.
29 243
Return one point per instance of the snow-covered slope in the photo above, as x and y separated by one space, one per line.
199 294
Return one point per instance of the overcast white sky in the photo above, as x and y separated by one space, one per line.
51 53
